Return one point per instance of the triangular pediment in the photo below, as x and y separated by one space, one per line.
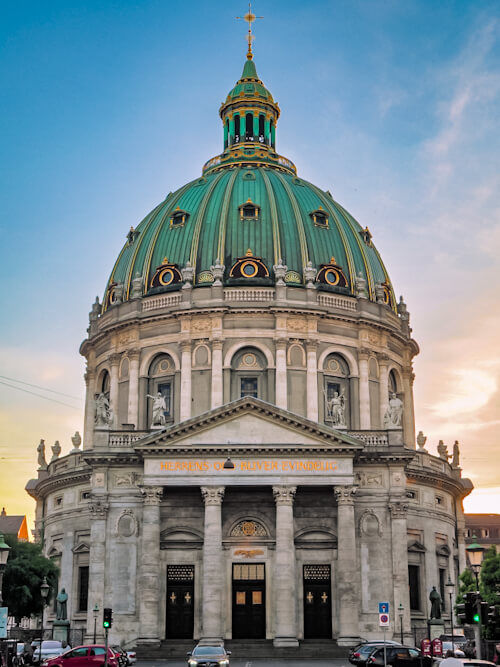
248 423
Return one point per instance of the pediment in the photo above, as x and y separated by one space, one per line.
81 548
315 538
183 537
416 547
444 551
248 422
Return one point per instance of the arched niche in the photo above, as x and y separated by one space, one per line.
161 379
336 391
249 374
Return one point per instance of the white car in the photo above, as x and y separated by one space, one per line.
132 657
50 649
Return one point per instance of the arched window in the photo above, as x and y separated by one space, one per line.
226 134
336 391
249 374
105 383
262 138
160 395
393 384
273 136
237 129
249 127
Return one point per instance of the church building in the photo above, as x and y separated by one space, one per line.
249 467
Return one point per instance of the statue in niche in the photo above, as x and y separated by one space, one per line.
42 463
443 451
61 605
159 409
394 414
435 599
455 461
336 408
103 412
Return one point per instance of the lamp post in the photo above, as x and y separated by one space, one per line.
475 552
401 611
44 592
95 611
4 555
450 586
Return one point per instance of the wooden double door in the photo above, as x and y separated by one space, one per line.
249 601
317 602
180 602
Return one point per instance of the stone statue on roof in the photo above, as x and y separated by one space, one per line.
42 463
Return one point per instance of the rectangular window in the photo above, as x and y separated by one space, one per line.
442 590
414 586
83 587
248 387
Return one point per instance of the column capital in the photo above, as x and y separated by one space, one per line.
89 375
151 495
134 354
281 343
398 509
363 353
383 359
98 508
114 359
185 345
312 345
284 495
217 344
212 495
344 495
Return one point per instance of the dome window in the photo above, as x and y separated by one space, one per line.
367 236
319 217
332 275
166 275
249 210
178 218
249 267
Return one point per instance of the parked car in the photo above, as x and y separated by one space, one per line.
474 662
208 655
121 655
454 642
50 648
399 656
360 653
132 657
84 656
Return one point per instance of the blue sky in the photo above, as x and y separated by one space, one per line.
391 105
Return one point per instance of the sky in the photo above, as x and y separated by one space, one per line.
392 105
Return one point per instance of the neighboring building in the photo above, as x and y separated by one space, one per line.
486 528
13 525
250 317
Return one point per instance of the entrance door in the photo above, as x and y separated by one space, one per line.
180 601
317 602
249 601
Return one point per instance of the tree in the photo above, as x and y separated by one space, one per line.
23 576
490 587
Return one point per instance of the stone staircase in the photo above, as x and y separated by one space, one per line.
247 649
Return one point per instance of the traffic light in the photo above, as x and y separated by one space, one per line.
488 613
461 613
469 612
107 617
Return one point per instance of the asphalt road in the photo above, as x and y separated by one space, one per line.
260 662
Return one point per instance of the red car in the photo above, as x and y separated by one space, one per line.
83 656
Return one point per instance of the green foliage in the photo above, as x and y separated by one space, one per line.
490 588
23 576
467 585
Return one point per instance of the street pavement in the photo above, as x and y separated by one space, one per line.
259 662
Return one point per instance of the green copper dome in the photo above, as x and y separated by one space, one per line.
249 220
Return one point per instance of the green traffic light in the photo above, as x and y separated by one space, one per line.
476 618
106 624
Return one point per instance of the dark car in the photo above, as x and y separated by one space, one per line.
398 656
84 656
360 653
209 656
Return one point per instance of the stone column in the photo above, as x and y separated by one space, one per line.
133 388
408 419
364 391
149 570
113 387
88 426
284 569
185 410
281 379
217 383
213 576
312 381
383 365
98 508
399 551
348 587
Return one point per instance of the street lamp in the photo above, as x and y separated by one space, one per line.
450 586
401 610
95 611
4 555
44 592
475 552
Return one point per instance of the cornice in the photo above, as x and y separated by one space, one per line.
428 477
96 458
60 481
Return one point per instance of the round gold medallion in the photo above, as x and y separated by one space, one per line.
166 277
249 269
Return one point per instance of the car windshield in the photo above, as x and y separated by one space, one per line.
208 650
48 644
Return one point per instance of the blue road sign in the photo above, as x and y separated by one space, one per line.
3 622
383 607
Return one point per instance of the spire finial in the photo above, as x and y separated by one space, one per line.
249 18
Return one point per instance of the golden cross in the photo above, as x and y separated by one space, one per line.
249 18
173 597
187 597
310 597
324 597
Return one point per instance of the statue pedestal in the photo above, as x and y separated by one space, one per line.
435 627
60 631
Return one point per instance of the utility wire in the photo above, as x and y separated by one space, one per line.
47 398
28 384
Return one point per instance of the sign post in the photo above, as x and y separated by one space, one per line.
384 622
